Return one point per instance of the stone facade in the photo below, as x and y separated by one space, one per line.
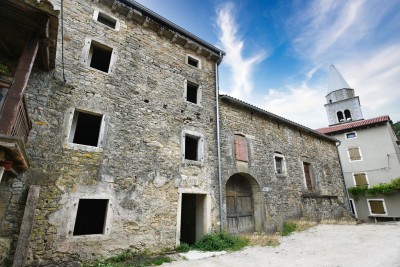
149 173
281 196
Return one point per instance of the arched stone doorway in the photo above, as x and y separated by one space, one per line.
241 205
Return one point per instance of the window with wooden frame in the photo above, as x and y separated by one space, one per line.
241 148
377 207
307 176
354 153
280 163
360 179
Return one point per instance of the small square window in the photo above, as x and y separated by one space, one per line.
192 146
351 135
377 207
85 129
192 61
100 56
192 91
106 20
91 217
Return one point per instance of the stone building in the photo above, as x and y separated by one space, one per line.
124 148
369 150
275 169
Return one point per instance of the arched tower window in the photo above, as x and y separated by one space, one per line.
340 116
347 115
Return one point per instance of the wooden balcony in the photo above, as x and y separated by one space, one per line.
30 32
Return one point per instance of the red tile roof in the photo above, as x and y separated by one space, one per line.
354 124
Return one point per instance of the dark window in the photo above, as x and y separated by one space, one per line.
106 20
340 116
278 165
191 147
100 57
347 115
85 129
191 92
307 175
351 135
91 216
193 62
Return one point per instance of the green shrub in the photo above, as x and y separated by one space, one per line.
183 247
386 189
221 241
4 69
288 228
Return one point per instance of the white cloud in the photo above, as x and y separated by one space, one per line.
240 67
343 33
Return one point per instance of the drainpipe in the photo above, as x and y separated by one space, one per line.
218 144
341 169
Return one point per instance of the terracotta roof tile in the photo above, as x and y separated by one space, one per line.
354 124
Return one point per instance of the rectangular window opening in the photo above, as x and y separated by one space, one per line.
307 174
361 179
193 62
191 92
241 148
191 147
377 206
100 57
85 129
354 153
91 217
351 135
279 165
106 20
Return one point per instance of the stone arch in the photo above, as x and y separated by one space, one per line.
347 114
244 204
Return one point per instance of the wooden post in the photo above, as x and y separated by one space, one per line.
17 89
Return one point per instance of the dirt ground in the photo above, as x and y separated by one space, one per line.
366 245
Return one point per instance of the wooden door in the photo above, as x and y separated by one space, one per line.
239 205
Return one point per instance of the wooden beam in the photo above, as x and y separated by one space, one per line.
17 89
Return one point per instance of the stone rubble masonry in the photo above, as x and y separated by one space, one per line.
285 196
139 167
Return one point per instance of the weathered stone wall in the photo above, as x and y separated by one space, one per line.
139 167
285 196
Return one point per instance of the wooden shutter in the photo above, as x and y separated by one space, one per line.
354 153
377 207
241 151
361 179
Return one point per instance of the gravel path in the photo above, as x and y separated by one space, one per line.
366 245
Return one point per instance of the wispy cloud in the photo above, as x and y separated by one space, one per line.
348 34
241 67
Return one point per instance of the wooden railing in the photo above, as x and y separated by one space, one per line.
22 124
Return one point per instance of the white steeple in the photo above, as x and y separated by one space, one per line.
336 80
342 105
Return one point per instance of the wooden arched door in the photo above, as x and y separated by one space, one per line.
239 205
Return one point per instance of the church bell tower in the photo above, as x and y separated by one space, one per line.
342 105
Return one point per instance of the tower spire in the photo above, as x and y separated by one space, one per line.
336 80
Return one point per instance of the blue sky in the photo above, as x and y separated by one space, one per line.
279 52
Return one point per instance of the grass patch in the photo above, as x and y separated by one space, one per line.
183 247
131 259
221 241
261 239
288 228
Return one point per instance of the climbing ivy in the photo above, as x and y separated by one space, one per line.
385 189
